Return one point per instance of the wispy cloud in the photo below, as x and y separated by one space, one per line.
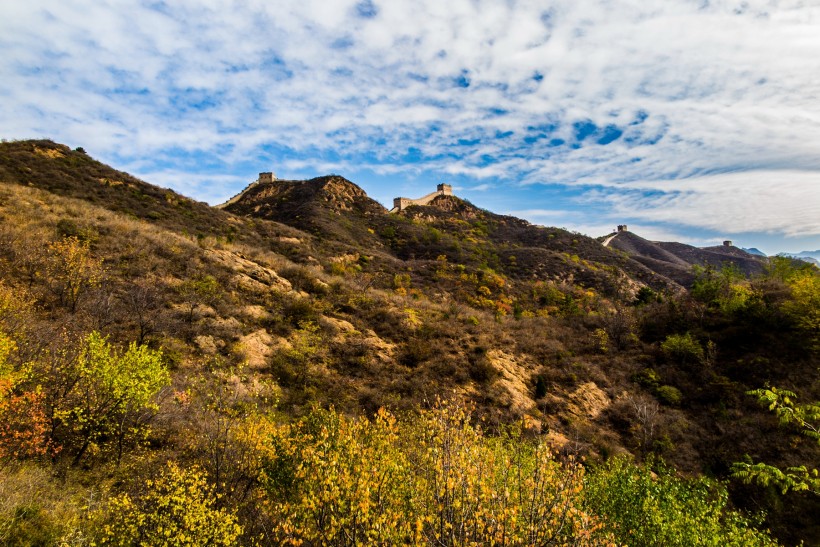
573 221
678 112
760 201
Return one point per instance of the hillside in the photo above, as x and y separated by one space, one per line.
317 206
305 294
340 212
675 260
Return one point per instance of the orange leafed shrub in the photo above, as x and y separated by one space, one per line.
23 421
23 424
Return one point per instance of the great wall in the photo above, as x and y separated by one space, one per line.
263 178
403 203
399 204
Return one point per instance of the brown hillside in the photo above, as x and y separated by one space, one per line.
675 260
308 294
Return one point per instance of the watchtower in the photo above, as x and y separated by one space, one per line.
267 177
401 203
445 189
622 228
727 243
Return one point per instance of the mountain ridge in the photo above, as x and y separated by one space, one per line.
447 226
677 260
662 264
348 306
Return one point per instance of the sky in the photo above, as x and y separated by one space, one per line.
687 120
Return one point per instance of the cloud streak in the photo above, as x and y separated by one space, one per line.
646 106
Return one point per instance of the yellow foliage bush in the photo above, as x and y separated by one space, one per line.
178 510
435 480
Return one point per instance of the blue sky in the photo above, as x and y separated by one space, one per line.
692 121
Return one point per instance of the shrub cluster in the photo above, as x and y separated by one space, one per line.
437 479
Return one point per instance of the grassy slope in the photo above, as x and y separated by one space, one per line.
363 342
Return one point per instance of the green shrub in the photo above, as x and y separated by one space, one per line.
648 378
669 395
31 526
540 387
300 311
648 507
682 349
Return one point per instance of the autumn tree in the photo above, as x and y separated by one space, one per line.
481 490
229 430
434 480
333 481
16 305
72 270
177 510
23 421
112 394
24 424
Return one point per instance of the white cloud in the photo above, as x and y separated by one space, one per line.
700 91
571 220
787 202
482 187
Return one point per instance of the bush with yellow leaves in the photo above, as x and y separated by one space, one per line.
435 480
177 510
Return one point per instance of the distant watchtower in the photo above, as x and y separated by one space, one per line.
444 189
267 177
727 243
622 228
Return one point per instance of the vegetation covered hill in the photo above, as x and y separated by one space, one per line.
139 327
448 228
675 261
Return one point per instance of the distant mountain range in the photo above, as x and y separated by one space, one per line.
812 257
801 254
341 212
812 254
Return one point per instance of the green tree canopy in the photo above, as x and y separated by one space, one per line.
111 388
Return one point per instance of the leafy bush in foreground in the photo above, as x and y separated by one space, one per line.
437 479
177 510
645 507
